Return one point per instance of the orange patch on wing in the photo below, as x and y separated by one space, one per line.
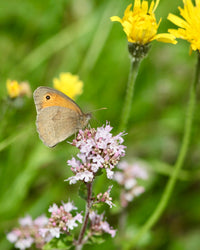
57 100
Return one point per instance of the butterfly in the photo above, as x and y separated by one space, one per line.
58 116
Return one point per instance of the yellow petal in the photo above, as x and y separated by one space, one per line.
115 19
156 5
177 20
166 38
177 33
197 2
151 7
159 22
127 28
127 10
137 4
145 6
190 51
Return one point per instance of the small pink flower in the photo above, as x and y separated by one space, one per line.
98 225
109 173
106 198
27 233
61 221
79 218
69 206
128 179
98 149
107 229
41 221
85 176
26 221
12 236
73 162
53 208
24 243
54 232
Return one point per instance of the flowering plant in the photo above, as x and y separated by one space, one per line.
127 176
99 150
140 24
68 84
188 25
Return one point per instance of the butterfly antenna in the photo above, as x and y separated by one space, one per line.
93 116
97 110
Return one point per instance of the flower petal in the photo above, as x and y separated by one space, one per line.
115 19
177 20
166 38
156 5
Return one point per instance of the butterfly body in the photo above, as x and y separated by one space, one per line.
58 116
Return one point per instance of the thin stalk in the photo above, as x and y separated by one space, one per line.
79 243
129 94
179 163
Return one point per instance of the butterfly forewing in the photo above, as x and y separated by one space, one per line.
55 98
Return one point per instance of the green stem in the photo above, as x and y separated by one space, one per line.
129 94
79 243
179 163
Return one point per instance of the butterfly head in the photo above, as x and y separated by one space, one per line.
86 117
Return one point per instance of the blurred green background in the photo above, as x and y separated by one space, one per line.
39 40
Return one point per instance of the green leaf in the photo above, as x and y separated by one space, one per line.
99 172
97 205
64 242
97 239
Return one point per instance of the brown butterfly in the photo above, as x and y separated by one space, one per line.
58 116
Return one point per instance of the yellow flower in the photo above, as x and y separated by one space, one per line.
16 89
68 84
13 88
190 24
140 24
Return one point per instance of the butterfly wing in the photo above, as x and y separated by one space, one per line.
56 98
55 124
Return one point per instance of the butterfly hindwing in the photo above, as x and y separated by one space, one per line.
55 124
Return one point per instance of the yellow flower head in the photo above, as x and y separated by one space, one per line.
68 84
16 89
140 24
13 88
189 25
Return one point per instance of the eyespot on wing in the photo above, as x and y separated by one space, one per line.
47 97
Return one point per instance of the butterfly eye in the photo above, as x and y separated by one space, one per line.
47 97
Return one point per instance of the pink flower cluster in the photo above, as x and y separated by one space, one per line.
27 233
105 197
98 225
128 178
61 221
99 149
42 229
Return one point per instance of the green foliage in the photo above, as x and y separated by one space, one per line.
96 239
64 242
